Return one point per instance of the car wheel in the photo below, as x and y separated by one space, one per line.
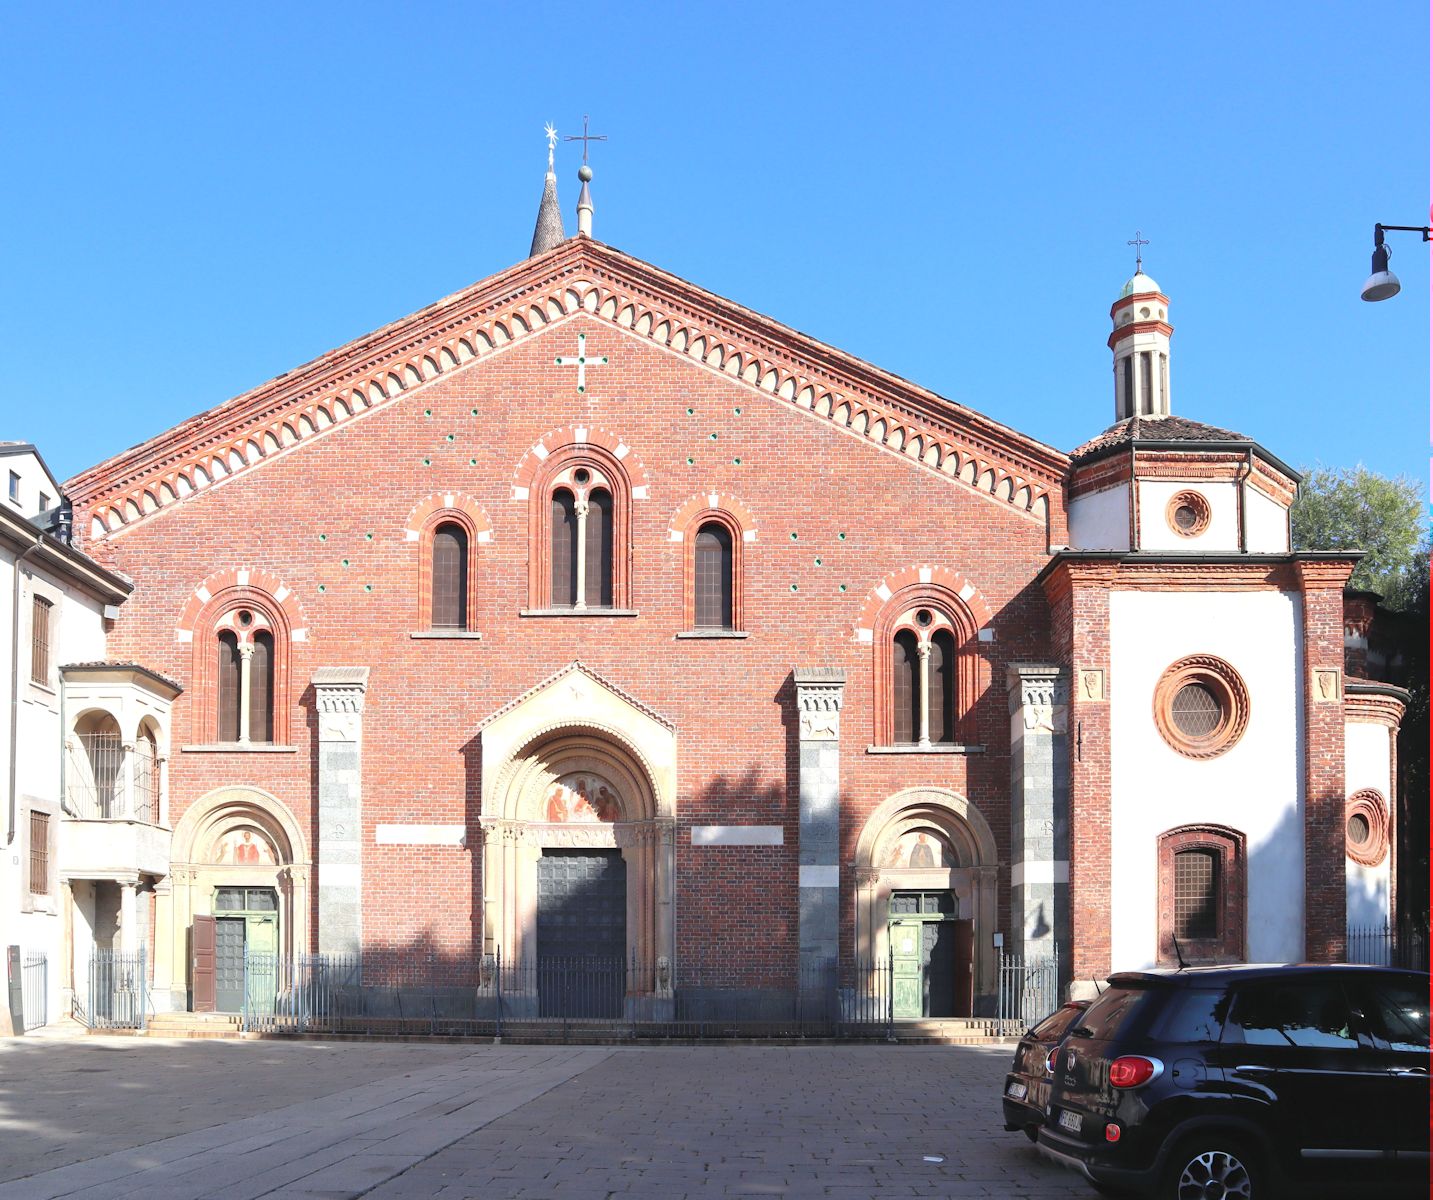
1214 1166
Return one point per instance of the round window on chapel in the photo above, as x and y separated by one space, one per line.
1187 514
1196 710
1366 827
1201 706
1359 831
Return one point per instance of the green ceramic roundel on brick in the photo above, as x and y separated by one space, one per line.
322 588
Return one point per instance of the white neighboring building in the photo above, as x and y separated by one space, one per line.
81 753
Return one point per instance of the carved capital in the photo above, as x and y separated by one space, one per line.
1041 694
819 693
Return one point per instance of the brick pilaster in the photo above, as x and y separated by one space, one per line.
1080 607
1325 903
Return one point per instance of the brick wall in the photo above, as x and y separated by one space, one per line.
346 496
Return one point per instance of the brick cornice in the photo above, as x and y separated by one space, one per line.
578 278
1117 570
1375 708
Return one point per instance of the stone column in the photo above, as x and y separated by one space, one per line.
129 932
1039 809
338 697
819 691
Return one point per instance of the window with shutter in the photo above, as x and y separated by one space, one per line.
40 613
39 854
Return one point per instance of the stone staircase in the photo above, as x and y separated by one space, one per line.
192 1025
951 1031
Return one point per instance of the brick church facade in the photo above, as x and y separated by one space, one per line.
587 611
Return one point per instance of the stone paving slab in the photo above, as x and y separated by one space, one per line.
341 1144
339 1121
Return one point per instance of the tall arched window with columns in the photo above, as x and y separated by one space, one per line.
579 534
241 669
926 675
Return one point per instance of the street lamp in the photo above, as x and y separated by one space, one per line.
1383 284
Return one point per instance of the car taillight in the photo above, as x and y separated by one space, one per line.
1050 1060
1131 1070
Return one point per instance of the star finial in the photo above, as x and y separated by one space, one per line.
551 142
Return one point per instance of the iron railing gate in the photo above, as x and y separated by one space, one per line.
1029 990
1387 946
35 985
117 990
561 998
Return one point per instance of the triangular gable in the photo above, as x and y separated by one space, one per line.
577 666
579 277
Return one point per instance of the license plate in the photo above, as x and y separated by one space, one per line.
1016 1090
1070 1120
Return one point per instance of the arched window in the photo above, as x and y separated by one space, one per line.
597 568
926 676
1201 894
450 577
261 688
146 776
242 674
905 687
564 549
579 533
228 646
712 583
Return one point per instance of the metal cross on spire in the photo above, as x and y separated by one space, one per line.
551 143
1137 242
584 137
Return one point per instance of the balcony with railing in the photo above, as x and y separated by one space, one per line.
115 772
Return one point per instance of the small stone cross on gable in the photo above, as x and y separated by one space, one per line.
582 361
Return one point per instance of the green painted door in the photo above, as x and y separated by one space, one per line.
907 977
923 933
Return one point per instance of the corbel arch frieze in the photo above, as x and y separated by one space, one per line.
588 282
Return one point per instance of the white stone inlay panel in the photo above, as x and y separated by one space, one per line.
738 835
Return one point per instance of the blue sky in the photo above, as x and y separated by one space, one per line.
200 199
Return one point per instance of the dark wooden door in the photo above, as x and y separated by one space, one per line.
229 964
202 965
963 984
581 933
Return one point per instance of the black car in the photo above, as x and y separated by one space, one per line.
1247 1082
1027 1087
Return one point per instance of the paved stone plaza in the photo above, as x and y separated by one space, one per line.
112 1118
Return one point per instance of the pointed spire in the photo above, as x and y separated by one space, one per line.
548 231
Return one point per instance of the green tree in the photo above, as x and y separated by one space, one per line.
1358 509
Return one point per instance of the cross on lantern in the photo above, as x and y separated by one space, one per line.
1137 242
581 362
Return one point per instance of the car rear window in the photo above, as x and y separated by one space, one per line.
1057 1022
1104 1017
1190 1015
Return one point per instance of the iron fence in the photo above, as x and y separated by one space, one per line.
35 987
117 990
95 775
1028 990
562 998
1387 946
